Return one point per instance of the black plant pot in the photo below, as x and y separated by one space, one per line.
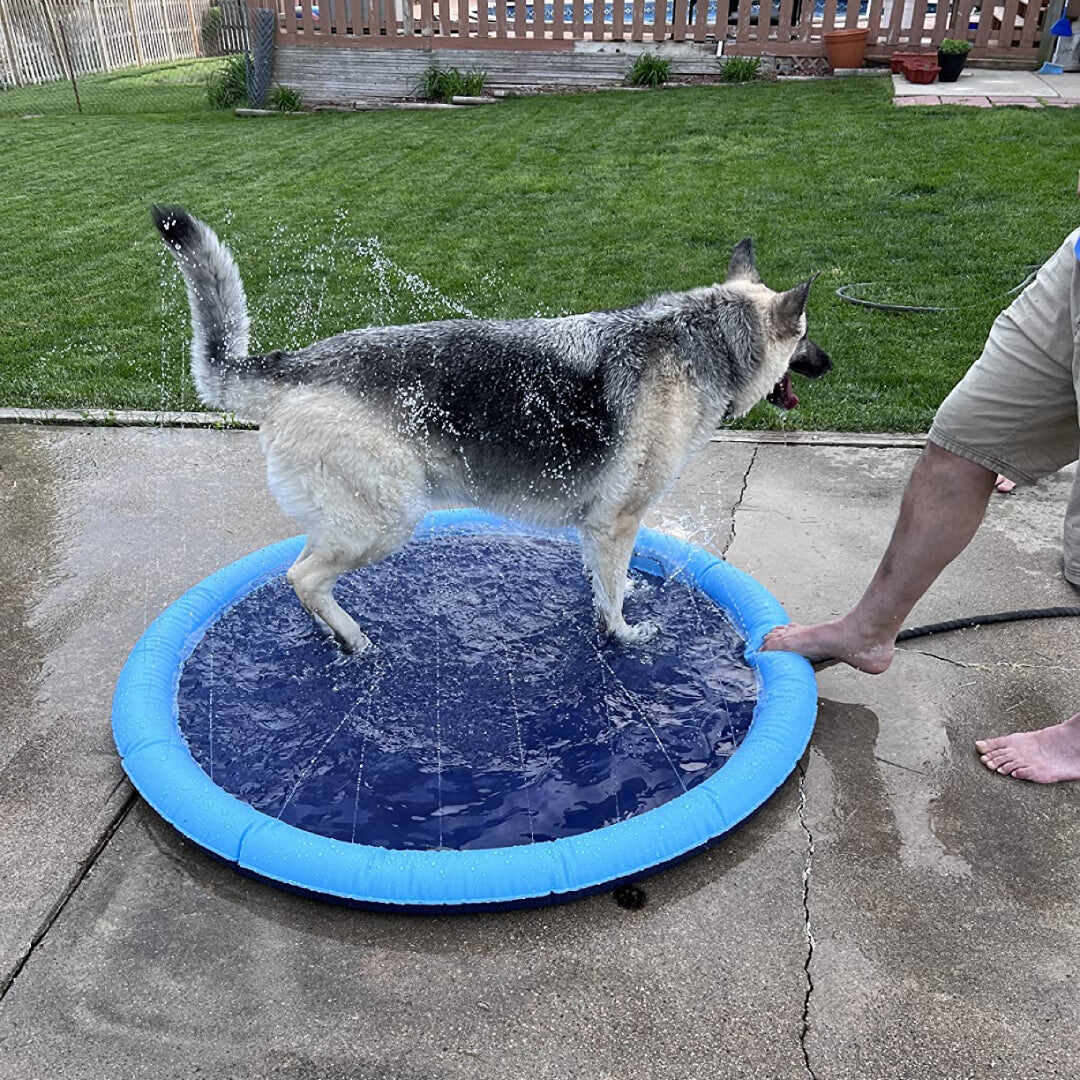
951 65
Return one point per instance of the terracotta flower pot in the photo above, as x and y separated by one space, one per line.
896 61
922 74
845 48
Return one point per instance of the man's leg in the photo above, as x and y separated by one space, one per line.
1052 753
1014 413
1071 535
943 506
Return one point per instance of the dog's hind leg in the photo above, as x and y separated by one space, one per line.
324 560
313 578
357 490
607 550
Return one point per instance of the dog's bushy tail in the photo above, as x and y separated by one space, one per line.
219 318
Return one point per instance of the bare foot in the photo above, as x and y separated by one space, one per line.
1003 484
835 641
1046 756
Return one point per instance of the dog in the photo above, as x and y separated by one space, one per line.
580 421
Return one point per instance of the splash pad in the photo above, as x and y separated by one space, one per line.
493 750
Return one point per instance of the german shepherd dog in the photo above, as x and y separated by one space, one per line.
582 420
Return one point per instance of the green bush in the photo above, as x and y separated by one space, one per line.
954 45
649 70
438 85
471 82
284 99
226 88
741 69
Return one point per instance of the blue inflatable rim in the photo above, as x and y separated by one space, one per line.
157 760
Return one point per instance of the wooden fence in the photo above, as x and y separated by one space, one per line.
103 35
1009 29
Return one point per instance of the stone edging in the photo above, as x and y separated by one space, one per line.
123 418
228 421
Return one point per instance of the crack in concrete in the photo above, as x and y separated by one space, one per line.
7 979
115 788
994 665
808 931
739 500
944 659
897 765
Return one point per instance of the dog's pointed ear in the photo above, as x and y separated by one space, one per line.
787 307
743 266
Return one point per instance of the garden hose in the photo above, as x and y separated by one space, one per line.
986 620
844 293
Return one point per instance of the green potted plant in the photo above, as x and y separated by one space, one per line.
951 54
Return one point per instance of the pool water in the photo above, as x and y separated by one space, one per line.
491 712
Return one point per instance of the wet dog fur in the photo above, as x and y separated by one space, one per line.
582 420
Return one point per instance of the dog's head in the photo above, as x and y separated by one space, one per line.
788 347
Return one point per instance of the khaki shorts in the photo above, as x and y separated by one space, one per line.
1015 411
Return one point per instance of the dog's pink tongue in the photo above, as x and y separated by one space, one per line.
787 396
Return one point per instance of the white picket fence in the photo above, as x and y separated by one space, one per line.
103 35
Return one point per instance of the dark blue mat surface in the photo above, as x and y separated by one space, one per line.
492 712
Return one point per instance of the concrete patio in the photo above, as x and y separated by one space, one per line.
894 911
983 88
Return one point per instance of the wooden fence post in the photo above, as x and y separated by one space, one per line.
135 33
71 66
59 53
196 44
1047 41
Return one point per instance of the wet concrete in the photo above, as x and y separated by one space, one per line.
100 529
942 901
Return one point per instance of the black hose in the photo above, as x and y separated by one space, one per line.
842 292
986 620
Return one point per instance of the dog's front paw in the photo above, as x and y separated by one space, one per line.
354 644
637 634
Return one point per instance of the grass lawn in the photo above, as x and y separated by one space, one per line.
547 205
165 87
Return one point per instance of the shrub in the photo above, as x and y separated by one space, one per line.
438 85
430 86
741 69
472 82
649 70
954 45
227 86
284 99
